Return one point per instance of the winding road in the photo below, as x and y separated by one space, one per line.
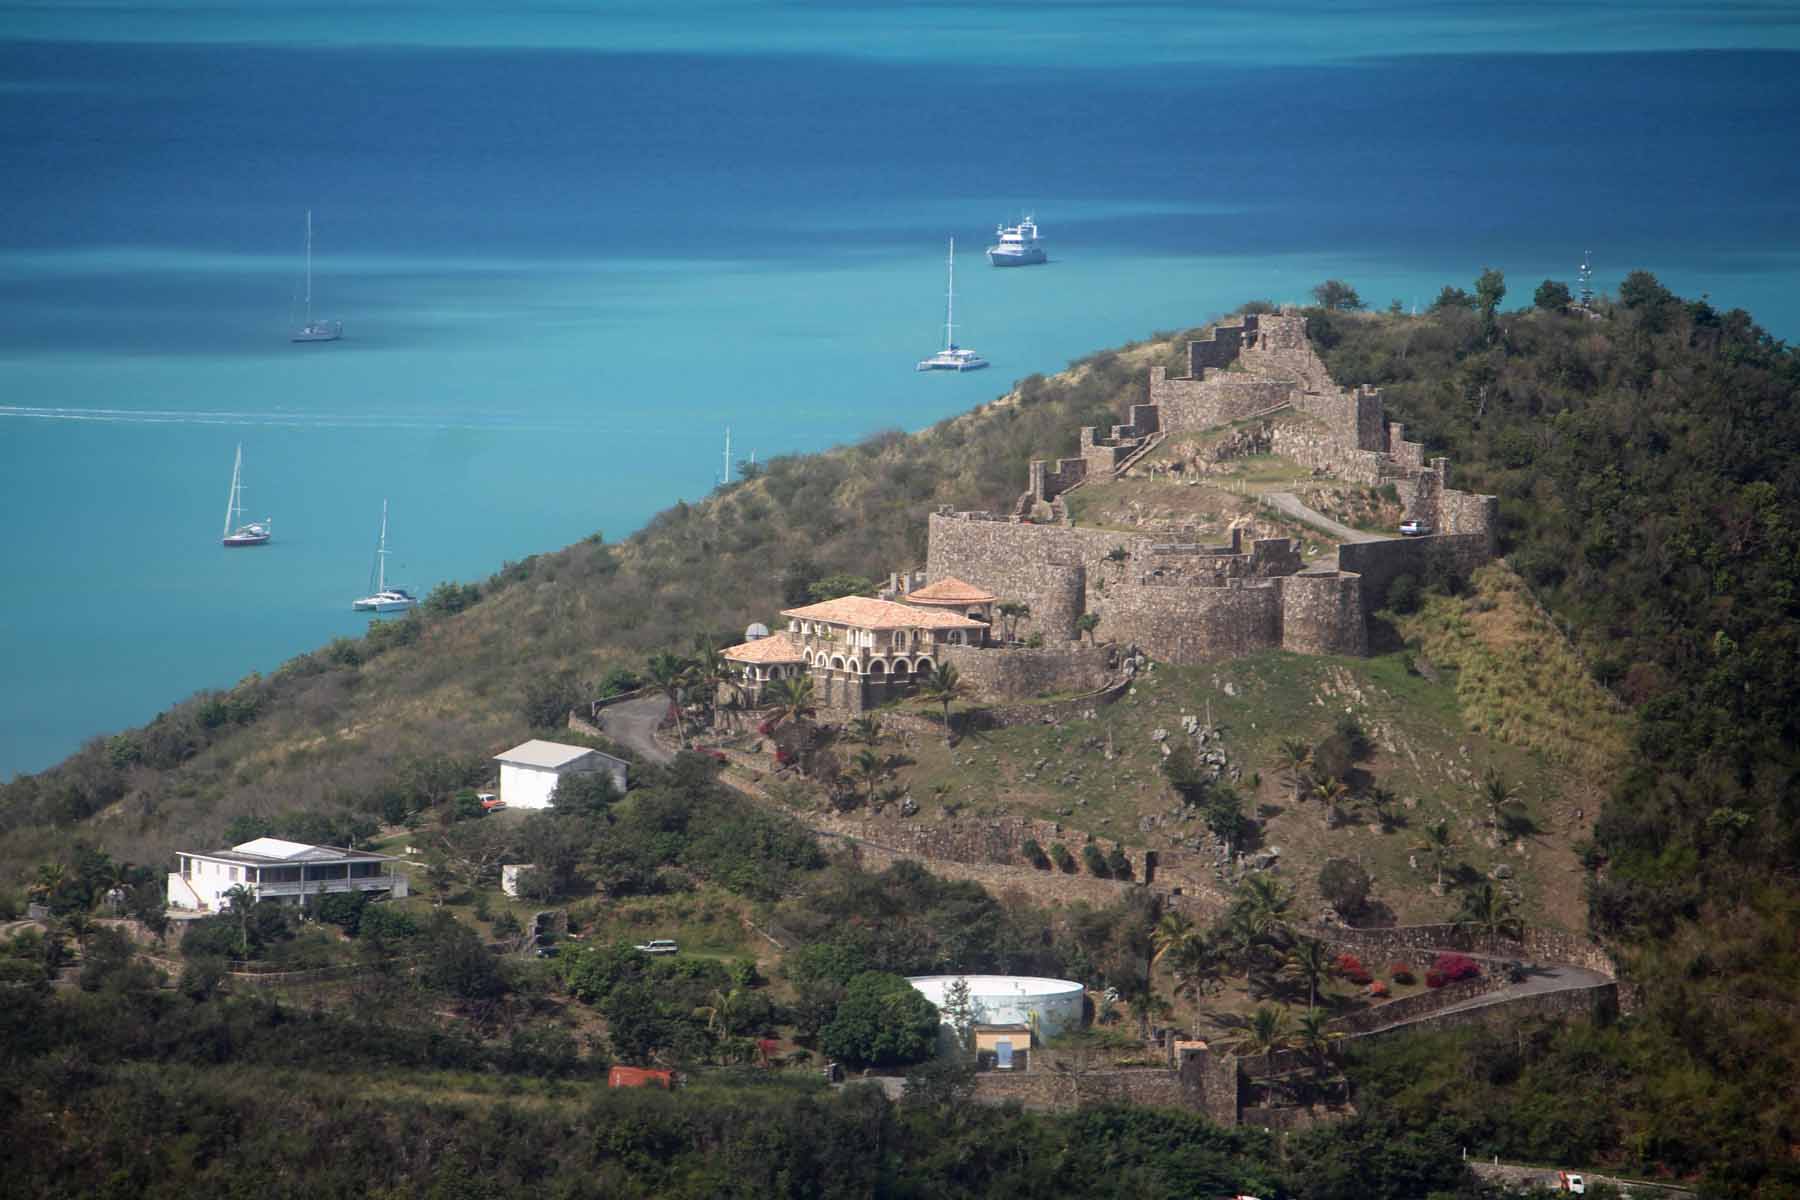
1288 503
634 723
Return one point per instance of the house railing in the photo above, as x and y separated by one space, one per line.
314 887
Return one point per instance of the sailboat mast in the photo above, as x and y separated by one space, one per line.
231 499
381 553
950 301
309 267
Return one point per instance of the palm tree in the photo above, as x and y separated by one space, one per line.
1266 1032
1383 800
1170 932
1194 962
1264 895
1146 1005
792 697
1497 794
869 768
1296 756
945 686
709 670
1314 1037
866 730
1310 960
1489 911
1439 842
1330 791
670 672
1011 613
1086 624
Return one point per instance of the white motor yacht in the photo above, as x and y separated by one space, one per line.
1018 245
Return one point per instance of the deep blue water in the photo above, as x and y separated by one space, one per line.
567 260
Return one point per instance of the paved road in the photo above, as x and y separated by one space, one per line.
1558 978
1290 504
634 723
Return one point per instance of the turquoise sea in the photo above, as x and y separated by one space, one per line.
572 244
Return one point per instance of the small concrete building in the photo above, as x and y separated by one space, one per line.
530 771
273 869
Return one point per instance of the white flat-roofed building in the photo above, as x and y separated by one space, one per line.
273 869
530 771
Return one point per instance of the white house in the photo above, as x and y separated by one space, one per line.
274 869
529 772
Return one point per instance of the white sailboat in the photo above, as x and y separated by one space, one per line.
238 532
952 357
315 331
384 598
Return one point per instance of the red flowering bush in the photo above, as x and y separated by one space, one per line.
766 728
1360 978
1448 968
1456 966
1400 972
783 757
1378 990
1348 964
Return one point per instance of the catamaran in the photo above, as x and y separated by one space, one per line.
1018 245
384 598
315 331
952 357
238 532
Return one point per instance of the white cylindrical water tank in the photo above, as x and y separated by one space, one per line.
1054 1004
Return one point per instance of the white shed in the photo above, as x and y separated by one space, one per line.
529 772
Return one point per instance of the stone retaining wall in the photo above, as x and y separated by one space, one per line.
1020 673
1380 563
1154 1087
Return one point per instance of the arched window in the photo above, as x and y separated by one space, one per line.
877 667
837 662
924 665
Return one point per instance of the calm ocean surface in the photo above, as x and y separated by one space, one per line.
570 249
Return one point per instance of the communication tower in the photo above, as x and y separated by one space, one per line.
1587 280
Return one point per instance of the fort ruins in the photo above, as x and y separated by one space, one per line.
1188 602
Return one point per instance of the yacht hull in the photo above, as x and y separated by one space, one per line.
1017 258
240 541
381 606
315 333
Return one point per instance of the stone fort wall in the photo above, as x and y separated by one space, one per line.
1378 564
1022 673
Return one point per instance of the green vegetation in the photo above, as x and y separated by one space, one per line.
1616 708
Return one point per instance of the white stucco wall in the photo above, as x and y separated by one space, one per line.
526 787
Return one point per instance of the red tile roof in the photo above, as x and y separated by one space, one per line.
865 612
949 590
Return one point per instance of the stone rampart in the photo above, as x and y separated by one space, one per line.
1319 450
1380 563
1221 345
1188 625
1218 398
1322 613
1020 673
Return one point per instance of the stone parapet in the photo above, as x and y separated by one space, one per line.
1378 564
1322 613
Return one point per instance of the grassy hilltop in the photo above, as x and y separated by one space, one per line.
1628 671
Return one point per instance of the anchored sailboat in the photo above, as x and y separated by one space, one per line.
315 331
952 357
384 598
238 532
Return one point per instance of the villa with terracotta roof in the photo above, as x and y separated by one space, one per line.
955 594
763 660
863 652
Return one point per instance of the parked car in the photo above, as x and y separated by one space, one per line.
1414 529
659 946
1573 1184
490 802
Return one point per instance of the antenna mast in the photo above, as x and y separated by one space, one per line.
726 477
1587 280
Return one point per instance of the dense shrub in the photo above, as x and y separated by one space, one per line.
1450 968
1401 973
